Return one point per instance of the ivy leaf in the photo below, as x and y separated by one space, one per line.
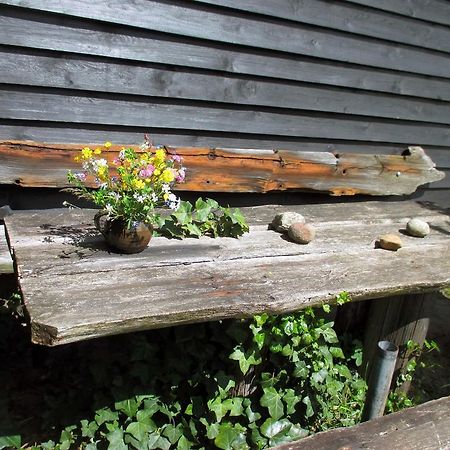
272 427
115 439
156 441
184 443
301 370
245 359
13 441
272 401
309 408
172 432
230 438
129 407
329 334
88 429
337 352
105 415
291 399
344 371
138 430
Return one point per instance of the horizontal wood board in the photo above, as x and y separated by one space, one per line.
239 170
75 289
346 17
228 73
424 427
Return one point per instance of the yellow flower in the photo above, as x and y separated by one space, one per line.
138 184
86 153
166 196
160 156
167 176
107 144
97 151
102 173
156 172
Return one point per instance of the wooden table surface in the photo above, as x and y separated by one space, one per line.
74 288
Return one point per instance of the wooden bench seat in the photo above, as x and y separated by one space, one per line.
75 289
425 427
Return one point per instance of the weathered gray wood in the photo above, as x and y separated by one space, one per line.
28 105
109 42
431 10
6 262
129 136
444 183
396 319
117 78
424 427
74 289
239 170
347 17
198 23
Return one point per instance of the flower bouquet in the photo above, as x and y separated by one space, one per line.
128 191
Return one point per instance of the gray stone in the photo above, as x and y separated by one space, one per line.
283 221
390 241
301 233
417 227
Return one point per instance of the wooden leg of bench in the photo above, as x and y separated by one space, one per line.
397 319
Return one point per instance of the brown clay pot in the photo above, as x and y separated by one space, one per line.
117 235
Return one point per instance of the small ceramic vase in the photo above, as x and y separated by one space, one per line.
117 235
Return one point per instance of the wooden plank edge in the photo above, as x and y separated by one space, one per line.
6 261
432 417
34 164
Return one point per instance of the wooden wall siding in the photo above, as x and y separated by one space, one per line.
363 76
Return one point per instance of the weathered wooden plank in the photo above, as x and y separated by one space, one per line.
424 427
112 41
61 107
231 29
350 18
129 136
234 170
431 10
6 262
121 79
185 281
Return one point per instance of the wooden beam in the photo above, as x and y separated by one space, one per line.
425 427
27 163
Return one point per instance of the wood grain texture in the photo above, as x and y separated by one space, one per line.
235 170
98 76
114 42
437 11
215 26
103 110
6 262
424 427
350 18
75 289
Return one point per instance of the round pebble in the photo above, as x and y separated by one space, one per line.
417 227
390 242
283 221
301 233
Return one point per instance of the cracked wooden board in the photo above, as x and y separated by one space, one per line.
26 163
75 289
424 427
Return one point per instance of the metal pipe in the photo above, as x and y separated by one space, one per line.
380 380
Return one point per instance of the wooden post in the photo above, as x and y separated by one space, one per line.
396 319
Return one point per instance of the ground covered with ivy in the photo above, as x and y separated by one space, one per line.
238 384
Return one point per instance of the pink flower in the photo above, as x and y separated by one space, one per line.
176 158
180 176
80 176
147 171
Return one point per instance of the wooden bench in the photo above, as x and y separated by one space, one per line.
424 427
74 288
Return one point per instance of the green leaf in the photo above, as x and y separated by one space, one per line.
291 399
172 432
115 439
138 430
184 443
129 407
301 370
272 401
230 438
212 430
271 427
328 333
13 441
309 409
245 359
337 352
88 429
344 371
